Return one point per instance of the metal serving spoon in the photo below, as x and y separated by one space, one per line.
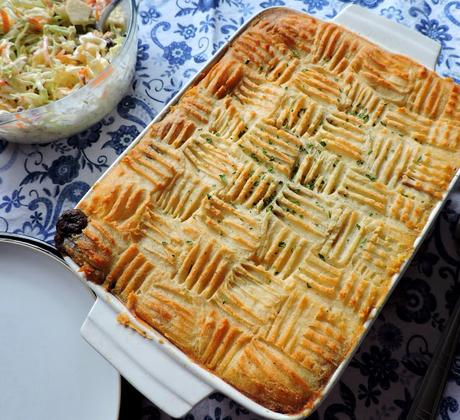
426 401
100 24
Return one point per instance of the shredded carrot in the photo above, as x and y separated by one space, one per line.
97 9
37 23
102 76
83 73
5 21
64 58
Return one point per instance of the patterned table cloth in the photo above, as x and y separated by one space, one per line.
176 38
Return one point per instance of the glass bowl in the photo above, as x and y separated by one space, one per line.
83 107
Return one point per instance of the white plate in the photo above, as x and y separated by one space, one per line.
47 370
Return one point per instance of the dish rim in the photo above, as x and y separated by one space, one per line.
202 373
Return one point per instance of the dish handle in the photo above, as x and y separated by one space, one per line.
390 35
163 380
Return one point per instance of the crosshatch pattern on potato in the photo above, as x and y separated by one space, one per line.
261 221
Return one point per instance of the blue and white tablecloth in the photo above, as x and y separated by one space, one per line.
175 38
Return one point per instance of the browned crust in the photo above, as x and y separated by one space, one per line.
261 221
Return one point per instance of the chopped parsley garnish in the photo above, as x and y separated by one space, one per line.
223 178
209 140
363 116
282 244
322 143
321 256
371 177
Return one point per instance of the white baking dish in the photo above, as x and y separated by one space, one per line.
157 368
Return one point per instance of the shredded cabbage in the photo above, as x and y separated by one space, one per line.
49 48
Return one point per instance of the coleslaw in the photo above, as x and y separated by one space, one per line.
50 48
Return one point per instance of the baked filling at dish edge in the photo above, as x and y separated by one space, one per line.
261 221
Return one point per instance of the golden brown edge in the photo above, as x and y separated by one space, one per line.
85 252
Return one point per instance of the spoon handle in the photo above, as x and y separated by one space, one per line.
100 24
426 401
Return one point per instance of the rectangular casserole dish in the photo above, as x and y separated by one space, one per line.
133 357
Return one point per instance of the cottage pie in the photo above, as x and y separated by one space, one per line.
261 221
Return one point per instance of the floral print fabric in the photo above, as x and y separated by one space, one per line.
176 38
